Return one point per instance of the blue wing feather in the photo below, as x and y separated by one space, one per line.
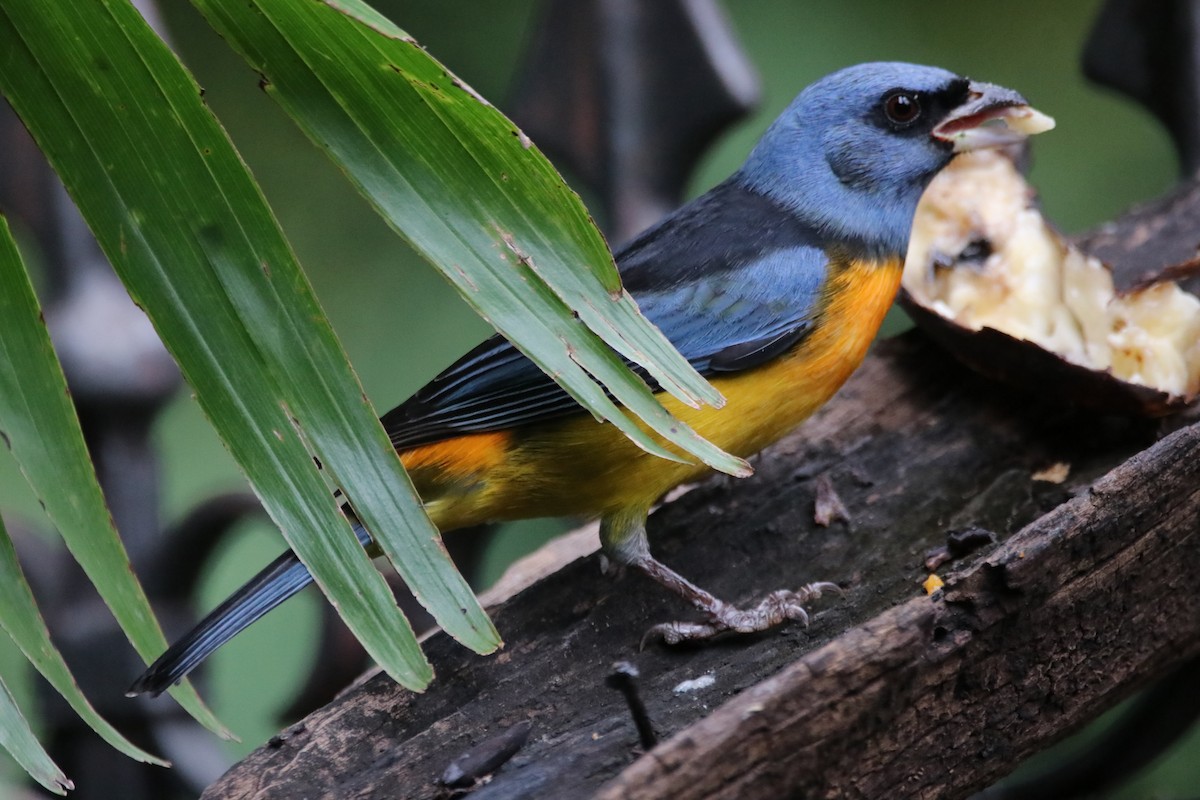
728 302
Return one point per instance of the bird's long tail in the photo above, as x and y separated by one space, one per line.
282 578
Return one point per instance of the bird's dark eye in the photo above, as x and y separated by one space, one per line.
902 108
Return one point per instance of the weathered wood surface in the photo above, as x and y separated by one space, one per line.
933 699
888 693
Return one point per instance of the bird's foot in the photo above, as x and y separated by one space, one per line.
775 609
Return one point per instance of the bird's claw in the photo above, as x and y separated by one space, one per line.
724 618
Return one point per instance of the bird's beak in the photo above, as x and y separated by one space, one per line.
992 116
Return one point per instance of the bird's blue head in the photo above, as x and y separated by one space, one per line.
855 150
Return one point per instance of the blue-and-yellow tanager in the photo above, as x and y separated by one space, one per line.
772 285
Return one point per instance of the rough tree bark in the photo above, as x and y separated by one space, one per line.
1089 594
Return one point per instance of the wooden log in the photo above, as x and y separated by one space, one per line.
938 698
1089 594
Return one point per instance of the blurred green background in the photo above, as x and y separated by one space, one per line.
401 323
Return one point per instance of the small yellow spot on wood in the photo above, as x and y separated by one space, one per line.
932 583
1055 473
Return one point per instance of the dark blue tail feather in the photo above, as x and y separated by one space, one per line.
282 578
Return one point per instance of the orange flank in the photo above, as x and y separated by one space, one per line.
453 476
577 466
461 456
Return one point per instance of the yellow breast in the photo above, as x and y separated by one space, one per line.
766 403
580 466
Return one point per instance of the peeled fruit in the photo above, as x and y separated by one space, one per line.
996 284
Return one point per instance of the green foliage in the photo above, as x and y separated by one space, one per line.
189 233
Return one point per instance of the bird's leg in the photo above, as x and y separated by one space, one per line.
623 537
